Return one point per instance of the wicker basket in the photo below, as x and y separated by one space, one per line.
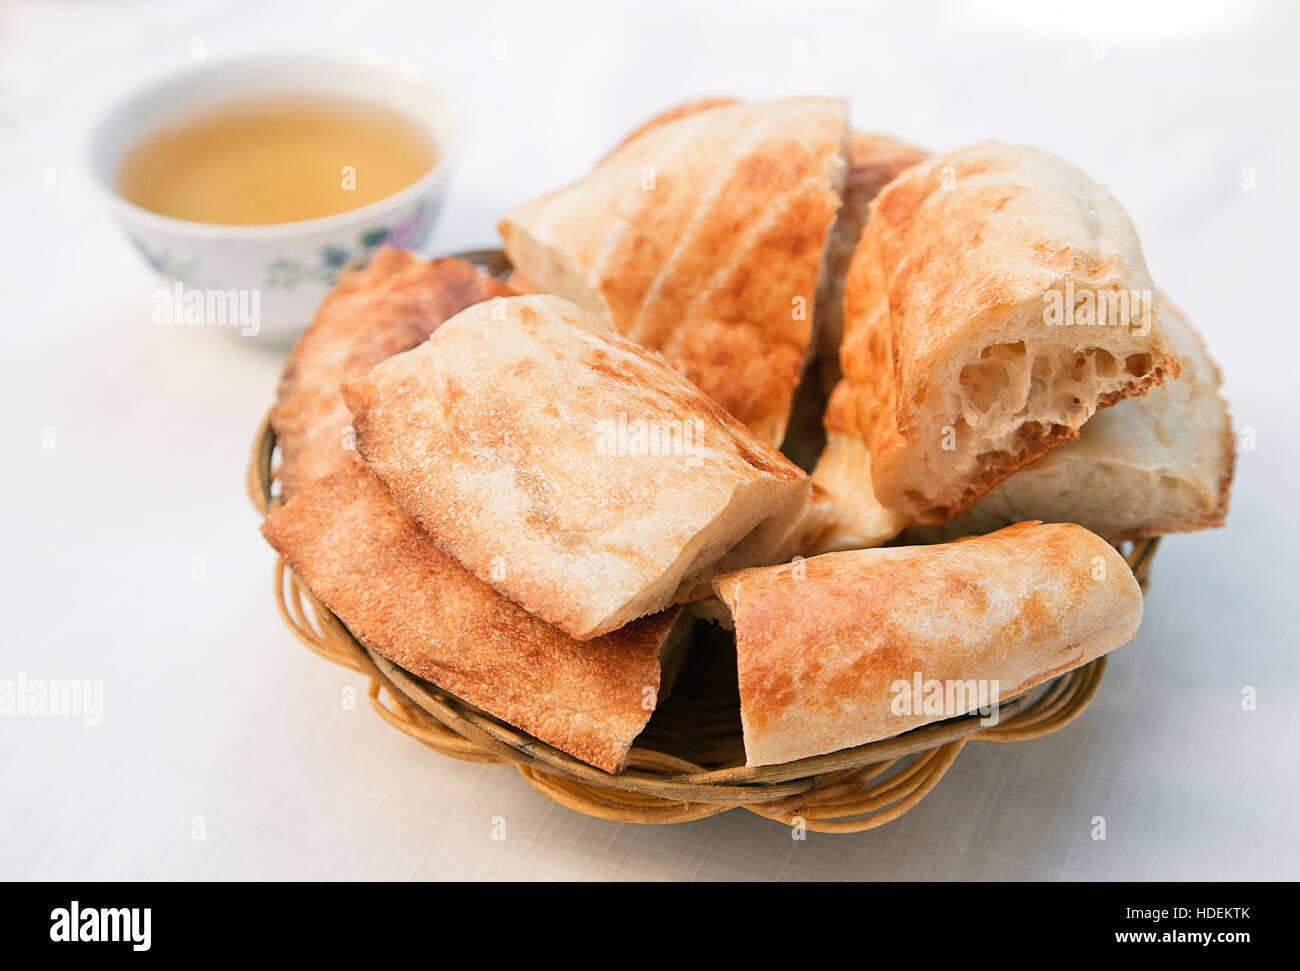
689 762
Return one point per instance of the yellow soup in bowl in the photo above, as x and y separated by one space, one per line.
275 160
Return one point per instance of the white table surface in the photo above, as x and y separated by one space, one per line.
212 710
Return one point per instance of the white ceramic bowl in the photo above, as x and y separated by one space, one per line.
282 270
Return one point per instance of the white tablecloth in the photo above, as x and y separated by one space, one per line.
131 555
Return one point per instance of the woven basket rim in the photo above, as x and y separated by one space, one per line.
657 786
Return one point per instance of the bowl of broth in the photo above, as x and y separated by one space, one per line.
250 185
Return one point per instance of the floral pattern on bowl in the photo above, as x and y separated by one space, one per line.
334 259
165 264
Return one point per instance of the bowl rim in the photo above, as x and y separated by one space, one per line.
449 150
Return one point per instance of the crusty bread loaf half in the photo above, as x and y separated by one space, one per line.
998 297
570 469
389 307
1157 464
387 581
702 238
826 648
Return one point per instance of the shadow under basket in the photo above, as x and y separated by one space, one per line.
689 762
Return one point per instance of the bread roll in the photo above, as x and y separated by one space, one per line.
390 306
827 648
1157 464
568 468
702 238
392 587
998 297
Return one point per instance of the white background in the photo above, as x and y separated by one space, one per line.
213 710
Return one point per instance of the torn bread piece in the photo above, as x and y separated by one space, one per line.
998 297
702 238
392 305
391 586
567 467
850 516
1157 464
828 649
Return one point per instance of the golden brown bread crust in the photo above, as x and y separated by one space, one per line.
672 114
714 262
390 306
874 160
392 587
822 647
956 258
500 435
